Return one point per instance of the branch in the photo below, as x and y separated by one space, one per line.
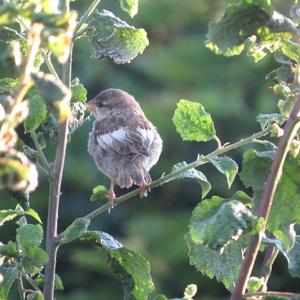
164 179
86 15
271 294
290 130
43 160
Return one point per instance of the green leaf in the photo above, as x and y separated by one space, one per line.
99 194
193 174
267 119
283 74
35 296
8 34
9 275
8 14
160 297
29 235
239 22
133 269
34 214
113 38
286 204
58 284
36 255
37 113
130 6
254 284
217 222
226 166
294 258
192 122
9 249
54 93
74 231
224 267
79 93
7 215
9 86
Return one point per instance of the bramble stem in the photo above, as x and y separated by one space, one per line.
21 287
290 129
271 294
55 187
200 161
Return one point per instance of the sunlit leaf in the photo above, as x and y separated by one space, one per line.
217 222
130 6
113 38
226 166
7 215
192 122
193 174
79 92
99 193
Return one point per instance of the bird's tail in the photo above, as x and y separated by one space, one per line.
133 173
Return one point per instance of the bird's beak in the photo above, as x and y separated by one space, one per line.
91 105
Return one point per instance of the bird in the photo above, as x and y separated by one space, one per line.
124 144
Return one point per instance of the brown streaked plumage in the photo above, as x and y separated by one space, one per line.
123 142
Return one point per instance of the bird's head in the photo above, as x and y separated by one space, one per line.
108 100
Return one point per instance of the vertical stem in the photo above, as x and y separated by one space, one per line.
55 187
21 287
290 129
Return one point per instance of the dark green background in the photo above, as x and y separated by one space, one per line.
175 65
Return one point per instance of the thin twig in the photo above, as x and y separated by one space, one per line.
269 258
21 287
41 155
273 294
200 161
49 64
290 129
32 282
86 15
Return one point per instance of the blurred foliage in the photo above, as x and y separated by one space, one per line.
175 65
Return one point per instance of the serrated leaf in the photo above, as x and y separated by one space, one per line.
9 275
193 174
239 22
286 204
74 231
54 93
133 269
130 6
192 122
254 284
79 93
283 74
7 215
29 235
217 222
37 114
226 166
267 119
9 86
37 256
113 38
294 258
9 249
99 194
224 267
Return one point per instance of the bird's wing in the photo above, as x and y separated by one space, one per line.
127 138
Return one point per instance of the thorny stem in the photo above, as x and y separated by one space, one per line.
164 179
49 64
290 129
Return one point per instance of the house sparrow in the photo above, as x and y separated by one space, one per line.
123 143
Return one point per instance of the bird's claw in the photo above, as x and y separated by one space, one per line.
144 189
112 197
